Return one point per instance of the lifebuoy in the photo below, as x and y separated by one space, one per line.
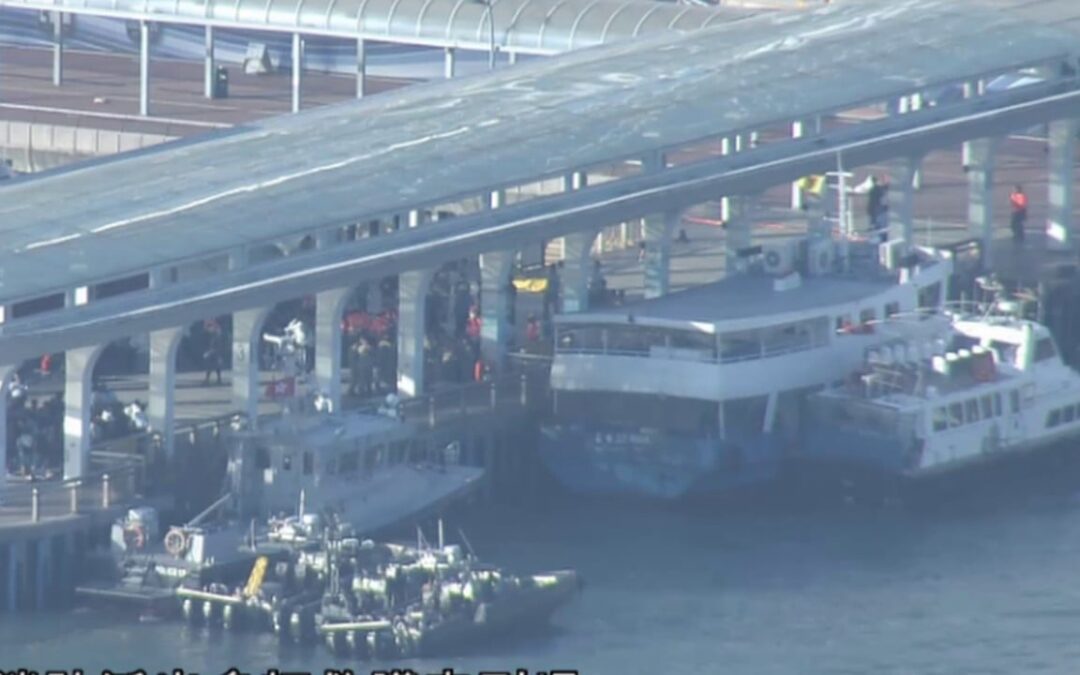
176 542
772 259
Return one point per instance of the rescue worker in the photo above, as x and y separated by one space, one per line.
1018 201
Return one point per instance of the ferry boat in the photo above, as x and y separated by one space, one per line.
996 388
699 392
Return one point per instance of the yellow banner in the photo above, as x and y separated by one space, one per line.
531 285
812 184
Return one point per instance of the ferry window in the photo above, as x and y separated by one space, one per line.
930 296
309 463
1044 349
1068 414
1053 419
941 419
703 342
786 338
286 462
578 337
740 346
956 415
1006 352
892 309
987 406
971 410
1014 401
997 405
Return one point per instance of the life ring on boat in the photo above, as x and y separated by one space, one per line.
134 537
176 542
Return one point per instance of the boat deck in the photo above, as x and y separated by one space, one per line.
752 295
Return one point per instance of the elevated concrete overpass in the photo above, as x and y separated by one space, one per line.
679 111
530 27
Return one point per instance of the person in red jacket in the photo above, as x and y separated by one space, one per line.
1019 203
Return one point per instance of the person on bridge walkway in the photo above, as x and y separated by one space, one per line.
1018 201
361 366
214 355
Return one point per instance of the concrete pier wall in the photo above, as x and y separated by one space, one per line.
34 146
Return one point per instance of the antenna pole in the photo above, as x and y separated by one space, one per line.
442 541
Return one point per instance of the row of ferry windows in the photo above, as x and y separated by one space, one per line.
632 339
1065 415
973 410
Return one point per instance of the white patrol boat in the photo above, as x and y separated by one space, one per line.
700 391
995 388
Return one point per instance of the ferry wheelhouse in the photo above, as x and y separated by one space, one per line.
996 388
700 391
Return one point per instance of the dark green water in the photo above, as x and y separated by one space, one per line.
986 589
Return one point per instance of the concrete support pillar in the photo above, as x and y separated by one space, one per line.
970 90
247 341
161 408
329 308
797 131
6 373
981 193
513 57
208 71
412 304
496 270
297 69
58 48
577 248
658 232
144 68
78 393
577 268
361 67
740 228
1062 153
449 62
902 173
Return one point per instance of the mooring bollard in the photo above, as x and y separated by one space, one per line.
104 490
35 506
75 497
491 392
524 390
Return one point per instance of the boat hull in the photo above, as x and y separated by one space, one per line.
519 610
841 462
655 464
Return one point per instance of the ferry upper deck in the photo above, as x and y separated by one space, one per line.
756 298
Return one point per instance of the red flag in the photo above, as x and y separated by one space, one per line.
283 388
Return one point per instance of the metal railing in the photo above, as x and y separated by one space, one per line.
37 501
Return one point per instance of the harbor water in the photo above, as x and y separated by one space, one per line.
990 586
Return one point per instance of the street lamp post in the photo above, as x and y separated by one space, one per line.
489 10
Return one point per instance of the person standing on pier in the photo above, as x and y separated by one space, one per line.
214 355
1019 203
